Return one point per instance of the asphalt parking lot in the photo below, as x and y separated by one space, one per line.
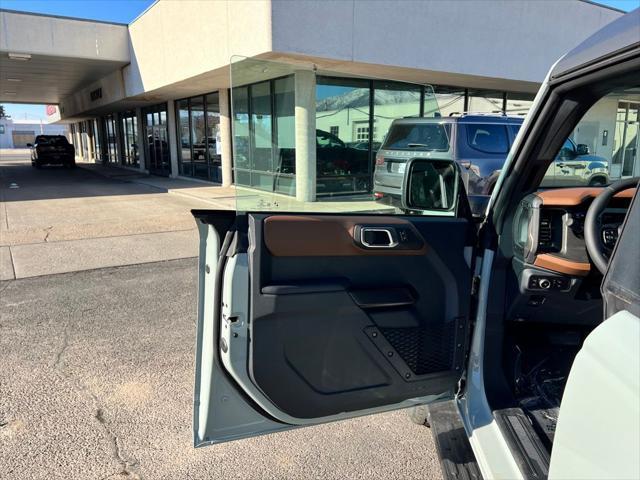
97 379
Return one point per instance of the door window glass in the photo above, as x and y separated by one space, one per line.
487 138
604 145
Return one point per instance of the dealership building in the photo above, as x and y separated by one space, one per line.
264 93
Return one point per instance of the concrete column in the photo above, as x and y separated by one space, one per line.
225 134
141 140
173 137
90 149
78 143
305 125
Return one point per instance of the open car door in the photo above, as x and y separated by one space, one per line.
309 318
306 318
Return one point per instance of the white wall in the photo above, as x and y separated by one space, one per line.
174 41
56 36
517 40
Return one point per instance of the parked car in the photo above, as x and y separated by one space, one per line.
52 150
575 166
519 330
480 144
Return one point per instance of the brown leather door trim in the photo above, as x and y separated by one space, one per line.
320 236
569 197
562 265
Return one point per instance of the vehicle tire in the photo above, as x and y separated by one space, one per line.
598 182
37 165
419 415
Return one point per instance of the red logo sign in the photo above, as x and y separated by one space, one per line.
51 110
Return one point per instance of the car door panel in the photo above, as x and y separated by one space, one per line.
315 327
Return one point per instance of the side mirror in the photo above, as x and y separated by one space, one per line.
29 144
582 149
431 184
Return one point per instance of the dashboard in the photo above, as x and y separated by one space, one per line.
555 279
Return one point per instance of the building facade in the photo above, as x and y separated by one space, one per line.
19 133
317 82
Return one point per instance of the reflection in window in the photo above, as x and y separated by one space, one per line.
485 101
487 138
129 132
343 160
264 135
448 101
186 167
198 138
391 100
518 104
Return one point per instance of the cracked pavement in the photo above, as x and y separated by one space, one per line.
97 383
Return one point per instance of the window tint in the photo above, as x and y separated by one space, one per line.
422 137
487 138
46 140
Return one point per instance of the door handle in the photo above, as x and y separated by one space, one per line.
378 237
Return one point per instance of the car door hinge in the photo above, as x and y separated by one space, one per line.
475 285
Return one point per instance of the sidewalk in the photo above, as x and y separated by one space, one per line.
56 220
218 196
241 198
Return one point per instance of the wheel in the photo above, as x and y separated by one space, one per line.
419 415
598 182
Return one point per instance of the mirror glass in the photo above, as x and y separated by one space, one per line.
431 184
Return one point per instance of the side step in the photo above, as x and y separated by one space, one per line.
456 457
527 449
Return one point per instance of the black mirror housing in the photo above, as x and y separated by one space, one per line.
431 184
29 144
582 149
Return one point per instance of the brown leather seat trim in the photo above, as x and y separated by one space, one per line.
562 265
320 236
569 197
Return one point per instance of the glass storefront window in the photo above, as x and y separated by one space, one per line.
264 135
156 140
129 135
449 101
214 137
198 138
343 159
391 101
518 104
110 153
261 152
198 124
285 141
184 138
485 101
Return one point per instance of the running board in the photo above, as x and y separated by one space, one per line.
456 456
527 448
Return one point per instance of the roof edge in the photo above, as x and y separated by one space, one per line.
62 17
602 5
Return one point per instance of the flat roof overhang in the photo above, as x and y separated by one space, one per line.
44 58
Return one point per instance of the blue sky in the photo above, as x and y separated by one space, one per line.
125 11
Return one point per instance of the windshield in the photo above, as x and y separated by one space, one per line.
603 147
420 136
